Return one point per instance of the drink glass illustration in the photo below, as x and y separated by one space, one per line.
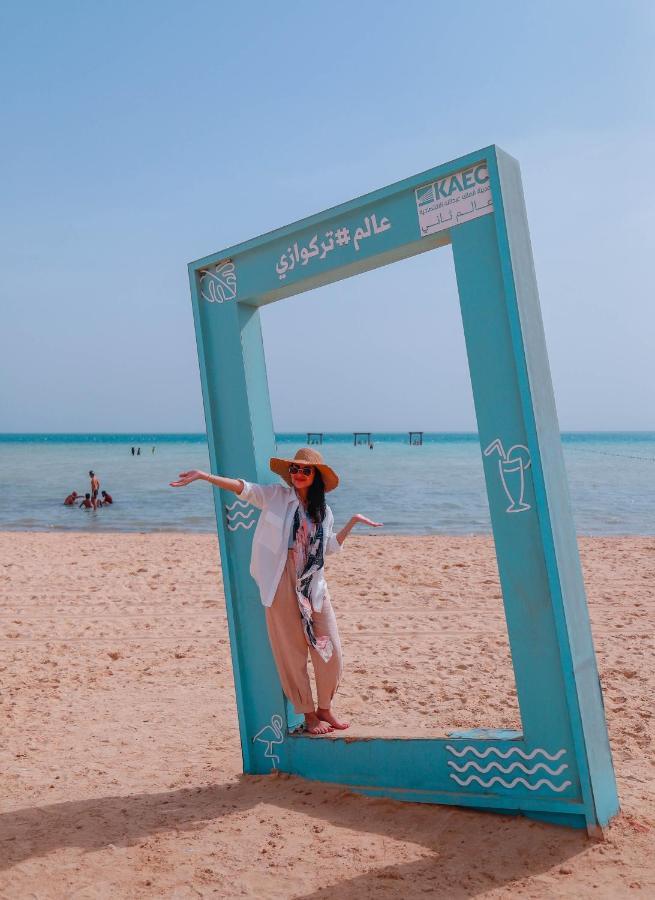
511 474
511 466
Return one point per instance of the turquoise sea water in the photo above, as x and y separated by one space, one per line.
432 489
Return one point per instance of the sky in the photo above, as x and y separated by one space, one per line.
140 136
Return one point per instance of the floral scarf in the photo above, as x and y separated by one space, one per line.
308 555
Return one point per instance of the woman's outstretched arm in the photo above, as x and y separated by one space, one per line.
350 524
259 495
227 484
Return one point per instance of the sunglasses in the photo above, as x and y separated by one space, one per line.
300 470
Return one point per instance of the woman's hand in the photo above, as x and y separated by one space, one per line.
185 478
359 518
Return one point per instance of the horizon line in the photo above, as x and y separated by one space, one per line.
304 431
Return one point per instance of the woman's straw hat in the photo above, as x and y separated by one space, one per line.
307 457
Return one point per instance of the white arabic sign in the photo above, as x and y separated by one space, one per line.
338 237
455 199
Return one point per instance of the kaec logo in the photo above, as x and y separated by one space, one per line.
460 182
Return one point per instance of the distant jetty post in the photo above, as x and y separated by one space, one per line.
362 434
416 438
314 437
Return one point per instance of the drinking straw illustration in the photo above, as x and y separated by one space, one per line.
512 465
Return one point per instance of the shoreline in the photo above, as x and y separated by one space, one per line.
376 535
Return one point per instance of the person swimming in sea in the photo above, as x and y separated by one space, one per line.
70 500
95 488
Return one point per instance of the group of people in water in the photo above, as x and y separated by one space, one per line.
94 499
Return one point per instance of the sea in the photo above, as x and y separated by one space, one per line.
435 488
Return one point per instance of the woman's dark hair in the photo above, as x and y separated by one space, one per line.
316 499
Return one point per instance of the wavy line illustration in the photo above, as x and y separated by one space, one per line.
511 784
522 753
236 503
244 515
507 769
241 525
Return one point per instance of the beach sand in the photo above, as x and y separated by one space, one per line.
119 754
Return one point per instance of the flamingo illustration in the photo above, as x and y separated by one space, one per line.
512 463
270 735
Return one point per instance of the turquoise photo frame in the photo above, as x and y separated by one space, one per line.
559 767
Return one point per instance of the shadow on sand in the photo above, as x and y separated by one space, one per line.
467 852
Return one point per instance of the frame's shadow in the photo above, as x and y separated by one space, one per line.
469 851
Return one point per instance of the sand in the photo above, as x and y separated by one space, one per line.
119 753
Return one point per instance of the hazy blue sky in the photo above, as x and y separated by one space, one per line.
140 135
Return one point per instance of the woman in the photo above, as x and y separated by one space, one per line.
294 533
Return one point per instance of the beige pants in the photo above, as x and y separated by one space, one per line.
290 647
